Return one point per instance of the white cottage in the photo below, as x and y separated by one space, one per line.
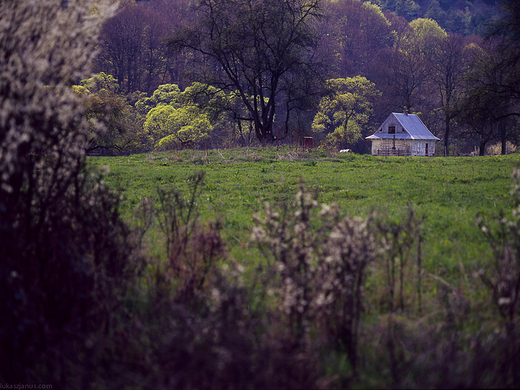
403 135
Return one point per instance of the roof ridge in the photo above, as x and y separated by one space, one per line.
402 125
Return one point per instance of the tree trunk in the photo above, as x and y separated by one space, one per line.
482 148
502 125
447 134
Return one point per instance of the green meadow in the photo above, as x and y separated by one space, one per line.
424 296
448 193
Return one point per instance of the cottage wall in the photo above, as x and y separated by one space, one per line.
385 147
390 122
423 148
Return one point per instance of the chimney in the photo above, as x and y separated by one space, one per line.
406 112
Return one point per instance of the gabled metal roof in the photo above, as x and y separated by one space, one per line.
413 126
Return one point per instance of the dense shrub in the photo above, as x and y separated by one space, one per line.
319 263
63 247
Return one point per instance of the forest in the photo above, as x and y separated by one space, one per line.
178 74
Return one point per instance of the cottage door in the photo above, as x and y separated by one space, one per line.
426 150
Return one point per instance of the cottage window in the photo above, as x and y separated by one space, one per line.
391 129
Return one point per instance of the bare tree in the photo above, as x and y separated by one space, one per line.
447 65
133 47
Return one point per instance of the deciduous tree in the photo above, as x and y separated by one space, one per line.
122 130
188 127
253 44
181 122
342 114
133 47
448 65
494 80
401 72
360 31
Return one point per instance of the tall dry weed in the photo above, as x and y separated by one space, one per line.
318 269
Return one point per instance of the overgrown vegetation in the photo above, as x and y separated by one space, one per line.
65 259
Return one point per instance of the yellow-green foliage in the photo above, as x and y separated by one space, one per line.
376 10
166 94
157 120
342 114
173 128
421 35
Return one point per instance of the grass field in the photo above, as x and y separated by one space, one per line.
447 192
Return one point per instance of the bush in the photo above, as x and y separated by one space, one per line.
63 248
497 148
318 271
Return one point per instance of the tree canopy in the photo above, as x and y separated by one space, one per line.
254 44
343 113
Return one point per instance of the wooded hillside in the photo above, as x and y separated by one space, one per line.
461 17
263 72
